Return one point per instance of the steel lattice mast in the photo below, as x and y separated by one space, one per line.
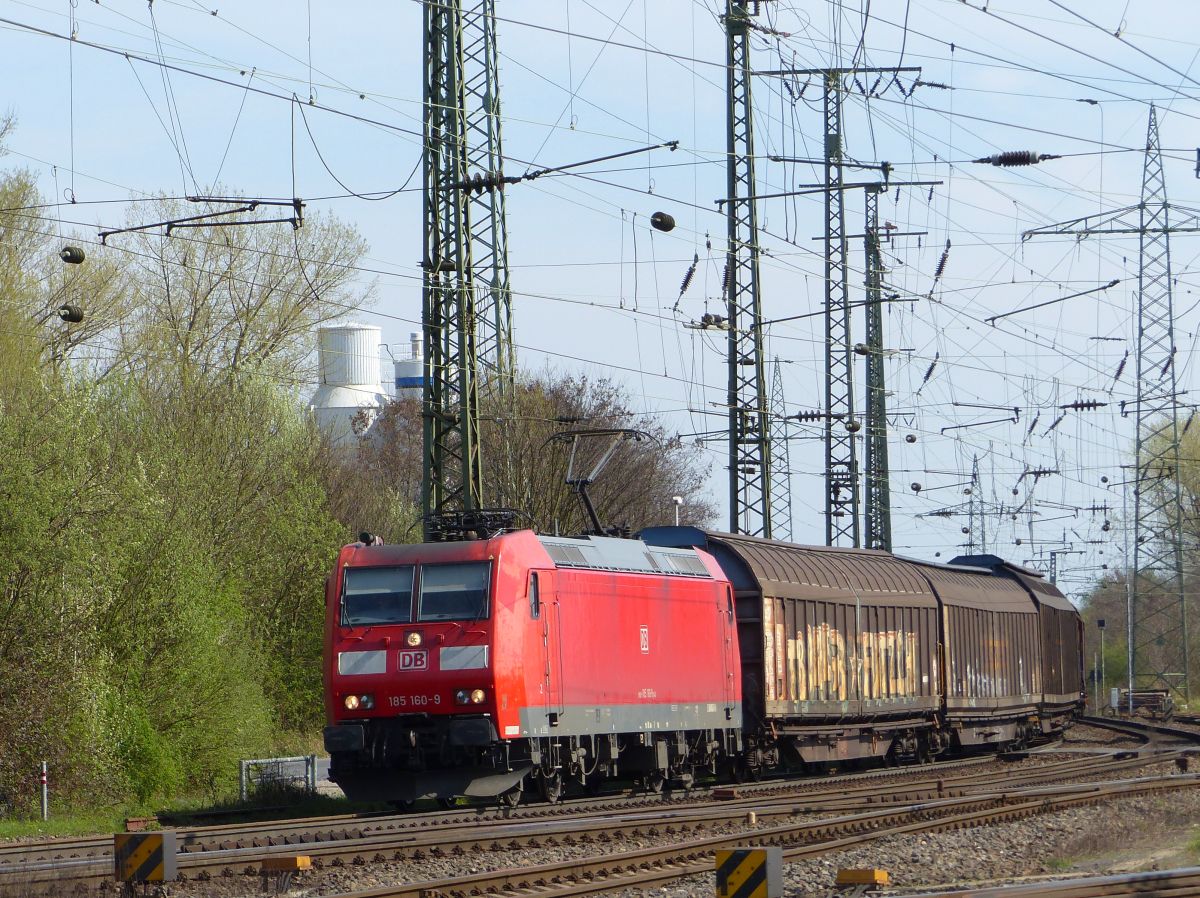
452 471
781 463
488 230
749 440
1158 630
878 499
842 527
1159 603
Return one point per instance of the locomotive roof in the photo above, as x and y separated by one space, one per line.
606 553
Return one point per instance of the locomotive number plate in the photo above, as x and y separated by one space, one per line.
413 701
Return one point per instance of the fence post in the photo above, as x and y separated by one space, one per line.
311 770
45 792
242 785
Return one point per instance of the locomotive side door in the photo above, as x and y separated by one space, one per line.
725 608
550 653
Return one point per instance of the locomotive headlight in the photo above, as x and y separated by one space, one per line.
366 702
351 702
413 639
477 696
462 697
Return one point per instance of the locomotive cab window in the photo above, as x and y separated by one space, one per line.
454 591
535 601
377 595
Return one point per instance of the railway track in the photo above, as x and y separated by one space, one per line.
657 866
350 826
1151 732
1163 883
353 843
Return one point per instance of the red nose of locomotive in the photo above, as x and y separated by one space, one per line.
436 668
411 639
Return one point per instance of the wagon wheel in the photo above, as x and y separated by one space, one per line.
402 806
447 803
512 797
653 782
551 786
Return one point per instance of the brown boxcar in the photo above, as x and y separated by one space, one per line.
991 652
853 653
838 647
1061 637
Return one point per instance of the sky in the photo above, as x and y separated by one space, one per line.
181 96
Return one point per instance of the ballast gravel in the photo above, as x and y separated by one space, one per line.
1037 847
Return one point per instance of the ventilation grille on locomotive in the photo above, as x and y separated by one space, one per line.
605 554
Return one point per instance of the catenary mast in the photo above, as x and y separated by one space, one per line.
749 436
466 306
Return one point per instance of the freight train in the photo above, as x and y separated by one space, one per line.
491 666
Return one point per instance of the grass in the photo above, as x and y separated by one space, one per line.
1060 864
275 804
1193 845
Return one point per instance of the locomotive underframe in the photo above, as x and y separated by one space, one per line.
421 756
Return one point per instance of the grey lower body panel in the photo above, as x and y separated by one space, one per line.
411 785
583 720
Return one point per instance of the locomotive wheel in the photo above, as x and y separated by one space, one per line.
551 786
512 797
653 782
402 807
447 803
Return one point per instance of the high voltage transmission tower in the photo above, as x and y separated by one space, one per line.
781 461
750 478
1158 628
466 312
976 524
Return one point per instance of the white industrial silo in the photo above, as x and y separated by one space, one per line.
350 395
410 372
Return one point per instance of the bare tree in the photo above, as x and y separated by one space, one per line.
214 300
524 468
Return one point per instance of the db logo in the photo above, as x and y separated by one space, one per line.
645 640
414 661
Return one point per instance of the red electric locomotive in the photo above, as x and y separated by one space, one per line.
477 667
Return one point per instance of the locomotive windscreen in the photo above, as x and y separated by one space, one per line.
454 591
377 595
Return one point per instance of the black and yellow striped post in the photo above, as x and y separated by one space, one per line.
750 873
144 857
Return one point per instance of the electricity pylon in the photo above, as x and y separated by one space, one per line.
1158 629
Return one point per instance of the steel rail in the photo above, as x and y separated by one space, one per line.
349 826
1143 729
360 843
656 866
1160 883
